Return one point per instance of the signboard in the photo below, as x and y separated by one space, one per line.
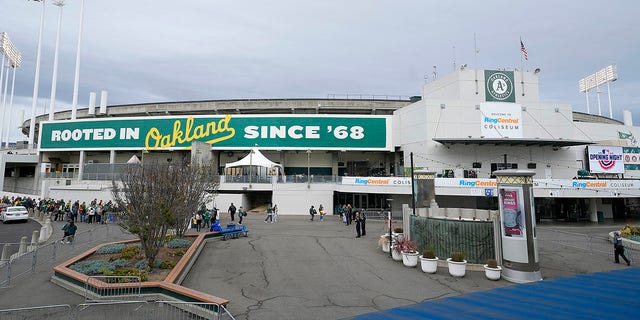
511 203
221 132
499 86
631 158
603 159
500 120
375 181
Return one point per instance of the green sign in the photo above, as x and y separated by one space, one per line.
631 158
499 86
221 132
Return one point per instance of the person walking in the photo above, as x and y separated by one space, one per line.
269 214
241 214
207 218
69 231
198 220
358 222
349 213
321 211
232 211
275 213
312 212
619 248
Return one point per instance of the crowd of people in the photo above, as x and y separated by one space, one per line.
97 211
348 215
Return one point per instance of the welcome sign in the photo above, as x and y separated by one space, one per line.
221 132
500 120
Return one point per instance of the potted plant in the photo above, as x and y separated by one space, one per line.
409 253
457 264
383 243
492 270
396 251
429 261
397 233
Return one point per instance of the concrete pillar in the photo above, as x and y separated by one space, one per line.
593 210
35 235
334 163
24 241
81 163
520 258
112 156
6 252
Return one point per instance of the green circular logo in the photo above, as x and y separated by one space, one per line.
499 86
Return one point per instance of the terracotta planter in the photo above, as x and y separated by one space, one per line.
410 259
492 273
429 265
457 269
396 255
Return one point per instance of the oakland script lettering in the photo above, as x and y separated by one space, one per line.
214 131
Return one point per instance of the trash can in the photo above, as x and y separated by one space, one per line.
600 216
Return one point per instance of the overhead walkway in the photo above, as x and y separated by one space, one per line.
603 295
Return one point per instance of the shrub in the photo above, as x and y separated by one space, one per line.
111 248
178 253
492 263
178 243
92 267
167 264
119 263
406 246
430 253
157 263
129 252
142 264
457 256
383 241
398 230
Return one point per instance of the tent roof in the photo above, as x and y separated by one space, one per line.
134 159
258 159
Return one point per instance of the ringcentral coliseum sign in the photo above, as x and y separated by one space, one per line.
221 132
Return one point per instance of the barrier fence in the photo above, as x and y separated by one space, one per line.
24 258
129 288
122 310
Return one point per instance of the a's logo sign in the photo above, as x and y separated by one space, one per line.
499 86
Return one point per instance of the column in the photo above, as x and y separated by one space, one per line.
593 209
81 165
112 157
520 258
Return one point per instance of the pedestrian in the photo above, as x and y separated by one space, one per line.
232 211
312 212
207 218
349 213
269 214
83 211
241 214
358 222
321 211
275 213
214 215
363 222
92 214
198 219
619 248
69 231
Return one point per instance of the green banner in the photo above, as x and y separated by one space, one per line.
499 86
221 132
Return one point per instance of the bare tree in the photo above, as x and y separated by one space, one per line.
155 198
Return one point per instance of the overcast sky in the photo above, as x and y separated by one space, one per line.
155 51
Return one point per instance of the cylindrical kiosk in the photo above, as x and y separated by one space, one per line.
517 223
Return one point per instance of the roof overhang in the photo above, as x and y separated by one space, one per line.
514 142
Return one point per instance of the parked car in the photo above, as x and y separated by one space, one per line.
14 213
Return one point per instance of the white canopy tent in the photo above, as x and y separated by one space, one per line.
254 159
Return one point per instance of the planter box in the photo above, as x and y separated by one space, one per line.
429 265
457 269
410 259
492 273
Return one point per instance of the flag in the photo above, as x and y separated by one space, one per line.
623 135
524 50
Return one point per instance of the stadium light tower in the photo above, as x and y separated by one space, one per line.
14 59
606 75
52 102
76 81
34 102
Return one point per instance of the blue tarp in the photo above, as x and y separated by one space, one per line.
603 295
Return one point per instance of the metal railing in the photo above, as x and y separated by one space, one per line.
94 291
24 261
591 243
122 310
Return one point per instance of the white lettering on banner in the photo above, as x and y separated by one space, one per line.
94 134
299 132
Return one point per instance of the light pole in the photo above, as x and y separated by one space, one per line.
34 102
308 169
52 102
77 77
250 166
390 238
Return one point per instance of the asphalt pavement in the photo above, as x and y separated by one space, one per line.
298 269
